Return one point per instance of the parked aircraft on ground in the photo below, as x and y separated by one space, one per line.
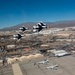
54 67
43 62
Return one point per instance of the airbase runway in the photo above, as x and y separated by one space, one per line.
66 66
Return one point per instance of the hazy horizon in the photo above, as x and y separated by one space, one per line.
13 12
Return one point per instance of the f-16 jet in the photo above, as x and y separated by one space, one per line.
42 24
17 36
39 27
23 29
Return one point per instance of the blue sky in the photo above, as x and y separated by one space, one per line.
14 12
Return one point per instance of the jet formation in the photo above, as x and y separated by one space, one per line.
36 28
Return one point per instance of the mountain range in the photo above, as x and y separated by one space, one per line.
49 24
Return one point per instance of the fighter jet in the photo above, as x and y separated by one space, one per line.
23 29
42 24
39 27
53 67
43 62
17 36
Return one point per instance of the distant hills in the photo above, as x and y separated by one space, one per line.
49 24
